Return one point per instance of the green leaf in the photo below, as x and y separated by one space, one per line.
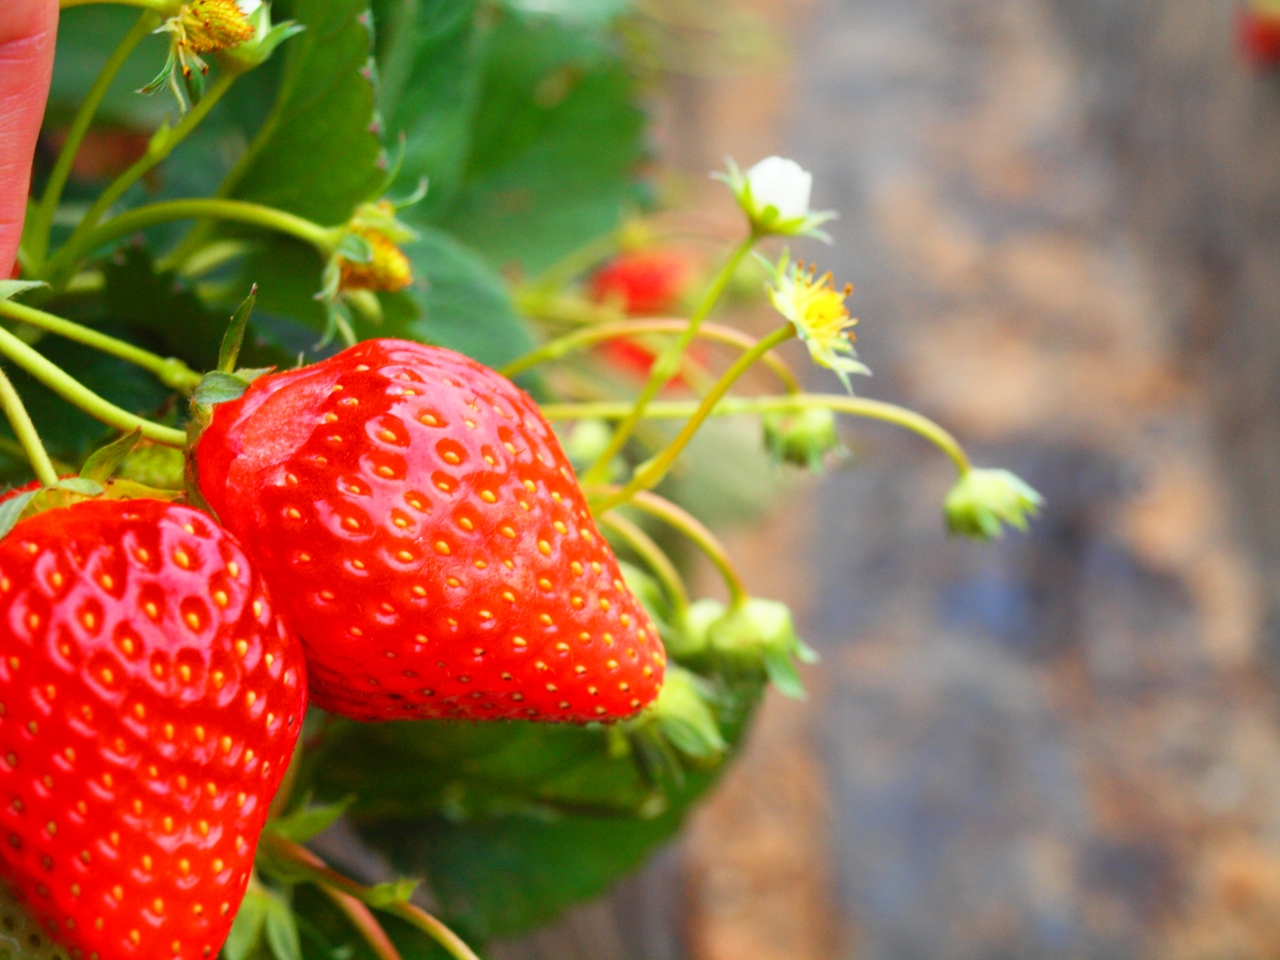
309 821
385 894
229 352
218 387
11 510
282 930
555 145
12 288
431 64
103 463
246 931
318 155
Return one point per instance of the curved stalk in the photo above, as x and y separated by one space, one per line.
238 211
25 431
362 918
655 559
318 873
668 363
737 406
686 523
159 6
170 371
649 473
42 219
626 329
76 393
162 144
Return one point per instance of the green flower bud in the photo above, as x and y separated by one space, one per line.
683 714
802 437
761 634
693 636
982 501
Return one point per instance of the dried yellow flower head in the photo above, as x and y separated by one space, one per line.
388 270
209 26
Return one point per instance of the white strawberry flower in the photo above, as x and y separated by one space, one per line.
774 194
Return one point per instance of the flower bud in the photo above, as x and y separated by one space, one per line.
774 194
982 501
801 437
761 633
692 638
684 715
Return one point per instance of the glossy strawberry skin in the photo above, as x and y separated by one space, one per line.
151 701
422 528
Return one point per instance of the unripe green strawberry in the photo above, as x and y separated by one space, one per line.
150 699
420 524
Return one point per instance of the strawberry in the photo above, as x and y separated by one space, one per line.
424 532
150 699
643 282
1259 34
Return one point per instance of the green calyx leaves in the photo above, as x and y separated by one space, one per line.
982 502
227 383
755 636
684 715
802 438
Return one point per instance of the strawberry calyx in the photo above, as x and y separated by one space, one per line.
96 481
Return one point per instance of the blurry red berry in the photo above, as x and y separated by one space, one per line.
644 282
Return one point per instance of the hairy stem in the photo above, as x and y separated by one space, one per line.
170 371
238 211
668 363
76 393
162 144
655 559
321 875
626 329
25 431
42 220
707 542
737 406
649 473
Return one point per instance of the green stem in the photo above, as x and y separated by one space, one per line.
315 870
668 363
366 924
736 406
626 329
689 525
239 211
159 6
25 431
170 371
162 144
43 219
653 556
76 393
654 469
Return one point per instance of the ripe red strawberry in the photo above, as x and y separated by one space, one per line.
1259 34
644 282
149 702
423 531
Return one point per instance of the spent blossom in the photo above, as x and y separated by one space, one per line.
817 311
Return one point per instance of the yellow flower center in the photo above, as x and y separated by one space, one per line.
212 25
389 269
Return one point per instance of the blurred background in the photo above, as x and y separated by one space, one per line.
1062 223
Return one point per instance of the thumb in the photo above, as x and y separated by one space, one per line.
28 29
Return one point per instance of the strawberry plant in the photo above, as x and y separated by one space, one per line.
352 493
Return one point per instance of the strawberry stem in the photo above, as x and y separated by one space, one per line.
238 211
315 870
702 538
76 393
365 922
668 363
162 144
649 473
25 431
737 406
170 371
42 220
653 556
626 329
159 6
